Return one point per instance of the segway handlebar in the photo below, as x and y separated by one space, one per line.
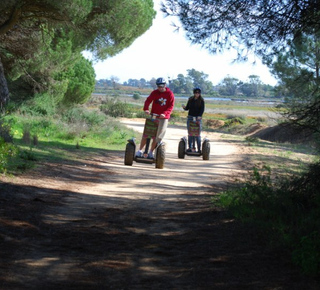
152 115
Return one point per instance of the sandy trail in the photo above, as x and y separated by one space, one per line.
95 223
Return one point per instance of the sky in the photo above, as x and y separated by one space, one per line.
162 52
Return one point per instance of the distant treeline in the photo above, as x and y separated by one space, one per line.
229 86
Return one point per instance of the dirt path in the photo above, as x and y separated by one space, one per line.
97 224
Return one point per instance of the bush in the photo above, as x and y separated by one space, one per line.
136 96
116 108
140 114
234 122
7 150
287 213
5 132
81 82
40 105
80 115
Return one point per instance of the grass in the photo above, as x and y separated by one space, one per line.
57 137
282 158
285 212
280 198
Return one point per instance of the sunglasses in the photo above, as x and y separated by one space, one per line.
197 92
160 86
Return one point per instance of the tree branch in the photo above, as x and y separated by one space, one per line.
14 18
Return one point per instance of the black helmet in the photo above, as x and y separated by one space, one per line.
160 81
197 89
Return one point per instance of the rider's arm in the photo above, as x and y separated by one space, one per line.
186 108
147 102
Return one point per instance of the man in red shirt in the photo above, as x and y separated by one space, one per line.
162 100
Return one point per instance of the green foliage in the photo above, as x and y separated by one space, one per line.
5 131
140 114
38 136
83 116
299 74
251 139
307 253
81 83
40 105
136 96
7 151
244 25
286 212
37 48
228 86
109 36
116 108
27 155
234 121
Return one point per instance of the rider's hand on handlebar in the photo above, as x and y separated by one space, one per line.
162 116
147 112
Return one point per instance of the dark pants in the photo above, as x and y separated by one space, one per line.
193 140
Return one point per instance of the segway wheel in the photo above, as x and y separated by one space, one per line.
206 150
160 156
181 149
129 154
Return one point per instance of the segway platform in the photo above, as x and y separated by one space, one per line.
193 132
150 132
144 160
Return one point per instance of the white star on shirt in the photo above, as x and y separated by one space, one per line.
163 101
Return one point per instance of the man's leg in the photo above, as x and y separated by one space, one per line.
143 142
163 124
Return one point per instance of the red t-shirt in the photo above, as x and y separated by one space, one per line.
162 102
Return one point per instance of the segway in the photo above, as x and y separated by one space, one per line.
193 132
149 132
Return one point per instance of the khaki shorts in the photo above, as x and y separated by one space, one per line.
163 124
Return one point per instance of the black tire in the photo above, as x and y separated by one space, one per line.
206 150
181 149
129 154
160 156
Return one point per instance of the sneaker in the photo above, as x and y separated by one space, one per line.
139 153
189 150
150 155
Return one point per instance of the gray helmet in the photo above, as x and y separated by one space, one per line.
160 81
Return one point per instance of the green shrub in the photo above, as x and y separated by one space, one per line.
252 139
5 130
40 105
307 253
81 82
80 115
286 212
234 122
116 108
140 114
27 155
7 151
136 96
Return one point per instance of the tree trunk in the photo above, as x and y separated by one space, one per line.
4 91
